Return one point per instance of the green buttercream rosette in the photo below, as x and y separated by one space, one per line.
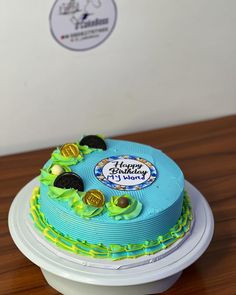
75 201
131 211
58 158
85 210
62 194
46 177
85 150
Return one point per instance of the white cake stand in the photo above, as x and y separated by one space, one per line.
69 277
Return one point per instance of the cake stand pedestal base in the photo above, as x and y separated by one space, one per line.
68 287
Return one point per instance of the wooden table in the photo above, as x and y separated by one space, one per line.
206 152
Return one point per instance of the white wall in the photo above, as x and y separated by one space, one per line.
167 62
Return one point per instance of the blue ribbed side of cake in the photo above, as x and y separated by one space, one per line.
161 201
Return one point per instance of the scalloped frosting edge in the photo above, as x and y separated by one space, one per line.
113 252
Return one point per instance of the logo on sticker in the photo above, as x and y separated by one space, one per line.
82 24
126 172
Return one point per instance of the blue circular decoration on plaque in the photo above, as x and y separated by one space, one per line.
126 172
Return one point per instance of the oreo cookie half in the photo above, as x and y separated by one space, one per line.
69 180
93 141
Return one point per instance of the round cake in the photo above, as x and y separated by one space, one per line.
111 199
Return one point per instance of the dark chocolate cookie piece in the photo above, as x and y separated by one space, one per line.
69 180
93 141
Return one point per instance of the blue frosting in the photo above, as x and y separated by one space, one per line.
162 200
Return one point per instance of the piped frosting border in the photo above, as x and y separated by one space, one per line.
113 252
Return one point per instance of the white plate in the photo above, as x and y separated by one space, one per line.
162 273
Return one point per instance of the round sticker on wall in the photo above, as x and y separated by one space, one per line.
126 172
82 24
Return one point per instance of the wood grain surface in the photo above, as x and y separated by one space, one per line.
205 151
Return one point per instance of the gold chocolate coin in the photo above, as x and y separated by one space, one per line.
95 198
70 150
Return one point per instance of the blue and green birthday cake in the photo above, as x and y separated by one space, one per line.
111 199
